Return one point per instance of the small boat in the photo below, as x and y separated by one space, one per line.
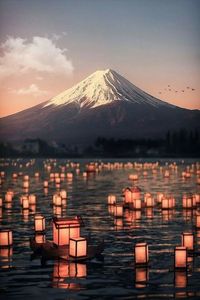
49 250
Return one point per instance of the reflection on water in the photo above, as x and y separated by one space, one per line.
22 275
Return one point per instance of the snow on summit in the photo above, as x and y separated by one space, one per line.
103 87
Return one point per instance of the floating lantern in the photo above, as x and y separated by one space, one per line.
78 247
166 174
168 203
133 177
187 202
84 174
57 200
160 196
14 175
26 177
1 202
39 223
118 210
111 199
32 199
45 184
188 240
57 180
131 194
9 196
149 201
37 174
137 204
25 184
141 253
180 257
25 203
197 221
66 228
63 194
6 238
69 176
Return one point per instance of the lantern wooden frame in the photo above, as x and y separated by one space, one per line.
75 242
186 235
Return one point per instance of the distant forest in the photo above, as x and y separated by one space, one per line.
182 143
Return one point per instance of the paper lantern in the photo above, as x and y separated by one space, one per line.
188 240
187 202
63 194
32 199
25 203
39 223
57 200
160 196
137 204
6 238
25 184
69 176
66 228
180 257
197 221
141 253
149 202
111 199
131 194
57 180
26 177
1 202
9 196
118 210
45 184
78 247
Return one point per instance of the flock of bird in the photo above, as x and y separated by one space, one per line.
170 89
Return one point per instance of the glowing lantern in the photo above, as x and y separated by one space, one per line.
197 221
149 202
6 238
160 196
63 194
9 196
14 175
1 202
118 210
66 228
180 257
166 174
133 177
32 199
187 202
188 240
137 204
39 223
111 199
141 253
26 177
45 184
131 194
57 180
57 200
37 175
78 247
25 184
69 176
25 203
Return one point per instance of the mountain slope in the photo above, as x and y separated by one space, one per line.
104 104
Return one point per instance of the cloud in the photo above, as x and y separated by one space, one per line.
33 90
20 56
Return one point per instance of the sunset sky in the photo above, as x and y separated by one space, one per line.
48 46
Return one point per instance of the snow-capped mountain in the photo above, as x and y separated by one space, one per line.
103 87
104 104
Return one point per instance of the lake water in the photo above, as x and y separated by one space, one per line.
116 277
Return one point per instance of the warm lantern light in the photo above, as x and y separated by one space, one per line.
188 240
25 203
197 221
69 176
131 194
138 204
180 257
187 202
63 194
149 202
37 174
32 199
118 210
66 228
133 177
25 184
39 223
111 199
141 253
1 202
26 177
57 200
8 196
78 247
160 196
6 238
57 180
45 184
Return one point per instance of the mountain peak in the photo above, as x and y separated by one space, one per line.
103 87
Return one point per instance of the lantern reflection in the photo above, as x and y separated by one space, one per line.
180 279
6 257
141 277
64 273
6 238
